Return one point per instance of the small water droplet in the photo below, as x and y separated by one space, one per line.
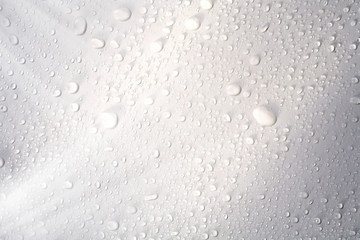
97 43
233 89
112 225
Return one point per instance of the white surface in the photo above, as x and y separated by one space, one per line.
178 153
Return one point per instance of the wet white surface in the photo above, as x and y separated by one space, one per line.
197 119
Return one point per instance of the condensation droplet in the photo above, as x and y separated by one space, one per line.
122 14
80 26
112 225
109 120
233 89
97 43
206 4
192 23
264 116
156 46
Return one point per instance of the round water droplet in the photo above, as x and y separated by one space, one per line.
249 140
264 116
317 221
72 87
156 46
206 4
118 57
254 60
57 93
109 119
75 107
122 14
5 22
112 225
14 40
192 23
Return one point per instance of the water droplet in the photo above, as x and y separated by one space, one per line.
254 60
112 225
233 89
156 46
264 116
75 107
80 26
122 14
118 57
72 87
317 221
192 23
14 40
68 185
249 140
97 43
206 4
109 120
151 197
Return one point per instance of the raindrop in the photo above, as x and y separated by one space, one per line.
192 23
122 14
264 116
109 120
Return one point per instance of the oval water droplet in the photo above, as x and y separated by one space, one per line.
264 116
80 26
122 14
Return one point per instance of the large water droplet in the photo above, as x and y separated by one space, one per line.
264 116
122 14
192 23
109 119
